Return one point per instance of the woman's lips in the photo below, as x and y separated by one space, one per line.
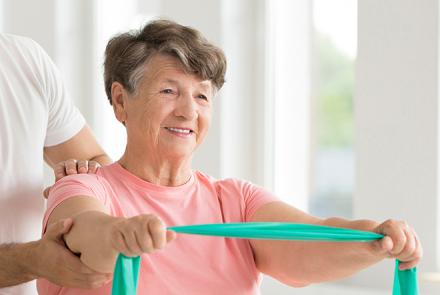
181 132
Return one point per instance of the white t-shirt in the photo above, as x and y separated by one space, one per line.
34 113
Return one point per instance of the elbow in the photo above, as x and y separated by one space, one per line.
293 281
293 278
297 284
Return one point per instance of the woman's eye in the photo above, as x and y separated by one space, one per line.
202 96
167 91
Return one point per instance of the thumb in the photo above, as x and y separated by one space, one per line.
384 246
46 192
56 230
171 235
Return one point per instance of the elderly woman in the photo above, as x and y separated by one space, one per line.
161 82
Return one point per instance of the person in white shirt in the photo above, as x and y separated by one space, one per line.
37 123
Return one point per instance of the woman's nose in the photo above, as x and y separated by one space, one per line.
186 107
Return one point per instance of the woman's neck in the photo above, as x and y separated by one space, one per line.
164 172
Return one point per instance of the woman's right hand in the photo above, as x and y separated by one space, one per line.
140 234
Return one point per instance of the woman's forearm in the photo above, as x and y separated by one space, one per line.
90 236
336 260
360 224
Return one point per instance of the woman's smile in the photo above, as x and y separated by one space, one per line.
180 132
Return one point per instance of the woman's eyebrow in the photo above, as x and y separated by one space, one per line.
205 85
172 81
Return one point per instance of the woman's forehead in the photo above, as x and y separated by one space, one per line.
163 68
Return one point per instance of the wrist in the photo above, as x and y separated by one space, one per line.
27 254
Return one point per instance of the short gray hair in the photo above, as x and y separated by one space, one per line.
126 54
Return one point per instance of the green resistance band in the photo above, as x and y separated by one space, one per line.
127 269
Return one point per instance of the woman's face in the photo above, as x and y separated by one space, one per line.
170 112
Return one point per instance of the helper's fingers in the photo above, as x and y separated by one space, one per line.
46 192
70 166
77 275
60 171
56 230
93 167
74 264
82 166
88 282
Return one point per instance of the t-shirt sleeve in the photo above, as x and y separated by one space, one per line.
72 186
241 199
64 119
254 197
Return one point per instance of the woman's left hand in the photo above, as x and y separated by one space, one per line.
400 242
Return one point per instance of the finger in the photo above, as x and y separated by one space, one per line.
394 230
94 281
409 264
83 166
56 230
135 247
145 242
131 243
84 281
118 242
60 171
171 235
70 166
410 246
157 232
419 247
93 167
75 266
416 257
46 192
383 246
399 241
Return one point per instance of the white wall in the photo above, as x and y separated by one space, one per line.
396 117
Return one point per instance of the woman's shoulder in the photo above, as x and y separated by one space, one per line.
84 184
229 183
95 182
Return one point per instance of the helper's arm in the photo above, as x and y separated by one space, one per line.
47 258
98 237
22 262
82 146
299 263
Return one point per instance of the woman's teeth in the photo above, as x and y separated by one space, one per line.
184 131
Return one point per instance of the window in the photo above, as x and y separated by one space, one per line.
311 64
333 54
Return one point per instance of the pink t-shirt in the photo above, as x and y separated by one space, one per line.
190 264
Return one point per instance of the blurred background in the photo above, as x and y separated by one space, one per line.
331 104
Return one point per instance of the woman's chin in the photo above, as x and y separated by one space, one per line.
178 154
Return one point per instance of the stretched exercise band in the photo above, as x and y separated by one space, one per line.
127 269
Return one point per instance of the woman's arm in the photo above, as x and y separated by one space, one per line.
299 263
98 237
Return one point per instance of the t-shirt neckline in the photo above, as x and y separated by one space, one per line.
148 185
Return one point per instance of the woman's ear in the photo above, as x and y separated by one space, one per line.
119 101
